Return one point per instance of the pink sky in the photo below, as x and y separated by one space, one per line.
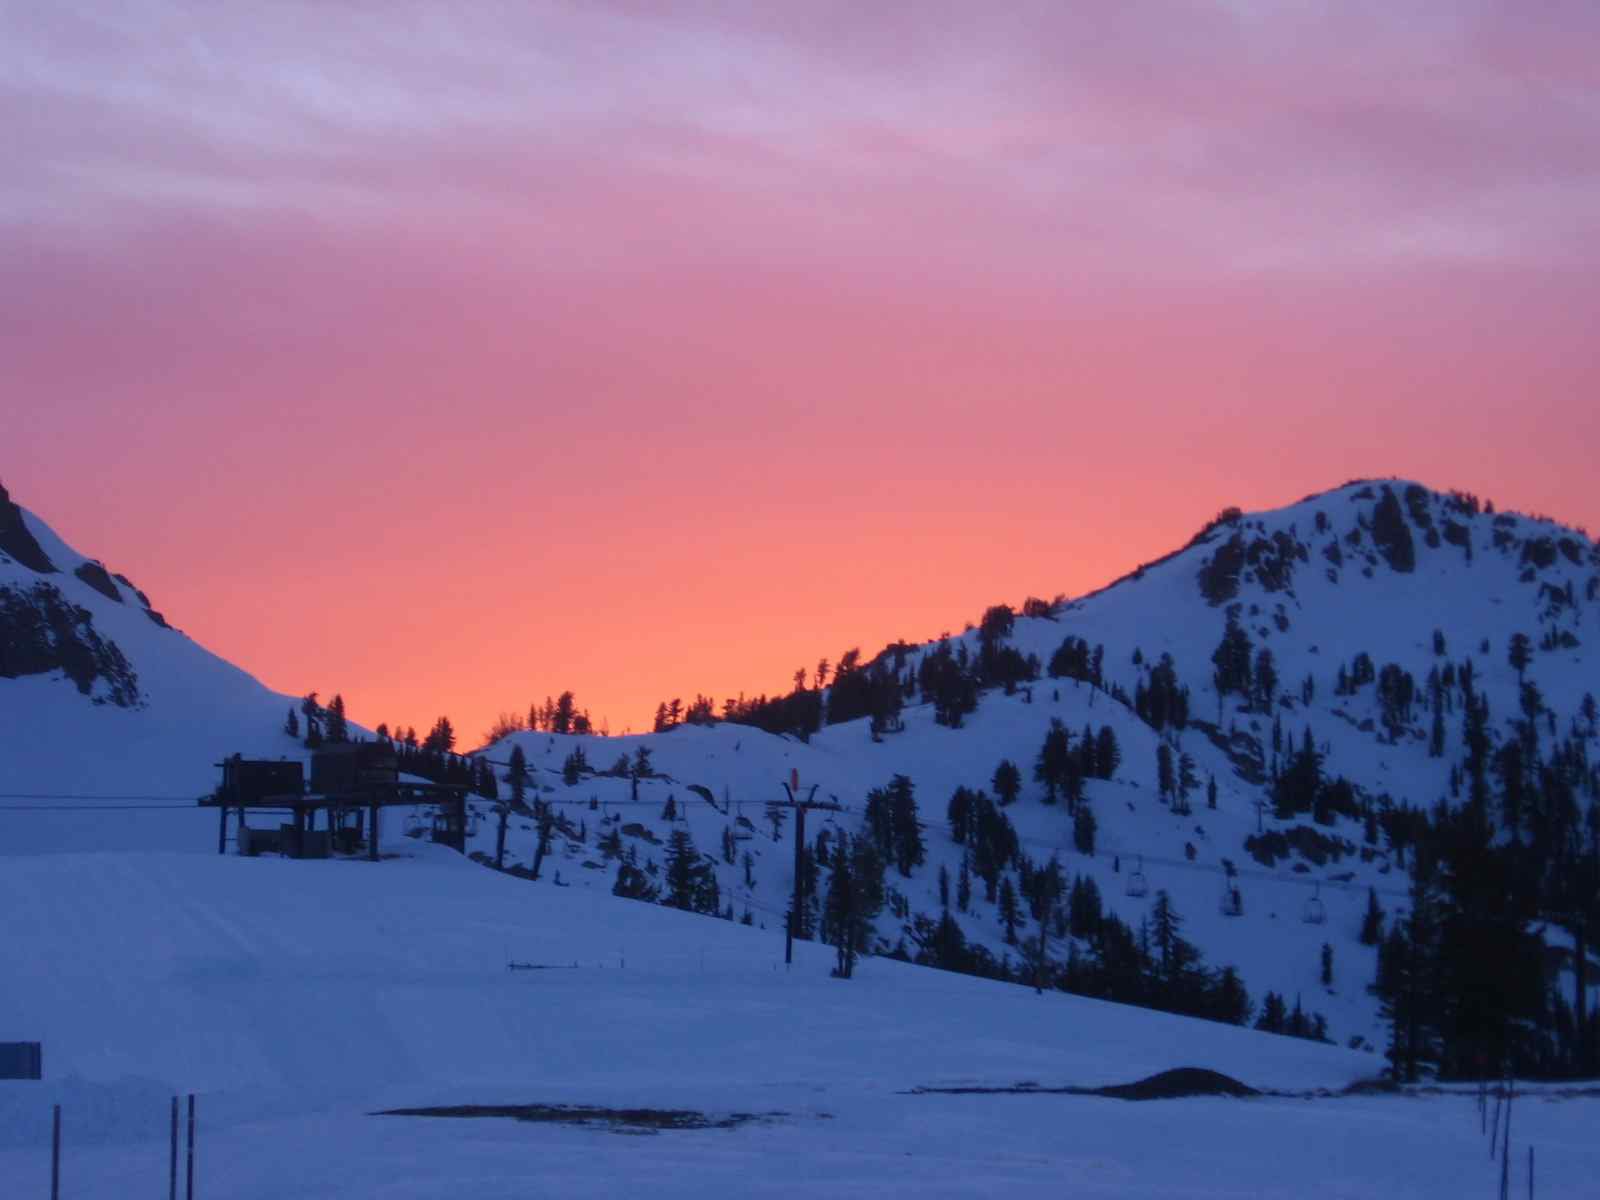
451 355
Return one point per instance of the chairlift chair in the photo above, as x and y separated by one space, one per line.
1136 881
1232 901
414 824
1315 911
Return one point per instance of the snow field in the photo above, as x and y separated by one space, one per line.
299 997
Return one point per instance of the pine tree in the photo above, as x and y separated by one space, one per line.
1084 829
519 776
1164 926
1519 655
1187 782
441 738
1010 914
708 893
944 886
1274 1017
1232 662
1165 781
561 719
1266 680
964 887
338 729
1053 764
947 946
1372 922
1007 781
683 867
1230 1001
1107 754
960 814
1327 965
908 849
291 724
840 916
312 711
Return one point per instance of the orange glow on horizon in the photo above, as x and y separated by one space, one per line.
746 337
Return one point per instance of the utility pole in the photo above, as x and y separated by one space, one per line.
800 806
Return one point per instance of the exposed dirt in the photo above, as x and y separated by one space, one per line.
1174 1084
1167 1085
620 1120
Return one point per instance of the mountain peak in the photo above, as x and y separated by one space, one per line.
17 541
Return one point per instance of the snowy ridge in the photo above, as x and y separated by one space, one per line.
1318 584
1311 582
191 708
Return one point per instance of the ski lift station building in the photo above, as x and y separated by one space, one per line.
351 784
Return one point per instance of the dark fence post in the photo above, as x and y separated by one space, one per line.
55 1155
189 1193
172 1158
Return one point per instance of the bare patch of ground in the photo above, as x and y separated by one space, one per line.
1166 1085
619 1120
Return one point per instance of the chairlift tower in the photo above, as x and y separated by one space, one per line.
792 787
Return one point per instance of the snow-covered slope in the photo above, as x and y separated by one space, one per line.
1389 571
1318 584
300 998
99 697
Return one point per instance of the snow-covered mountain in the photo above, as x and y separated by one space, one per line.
1379 604
101 697
1372 608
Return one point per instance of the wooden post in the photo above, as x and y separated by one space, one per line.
189 1192
172 1157
372 842
222 829
1505 1149
55 1154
